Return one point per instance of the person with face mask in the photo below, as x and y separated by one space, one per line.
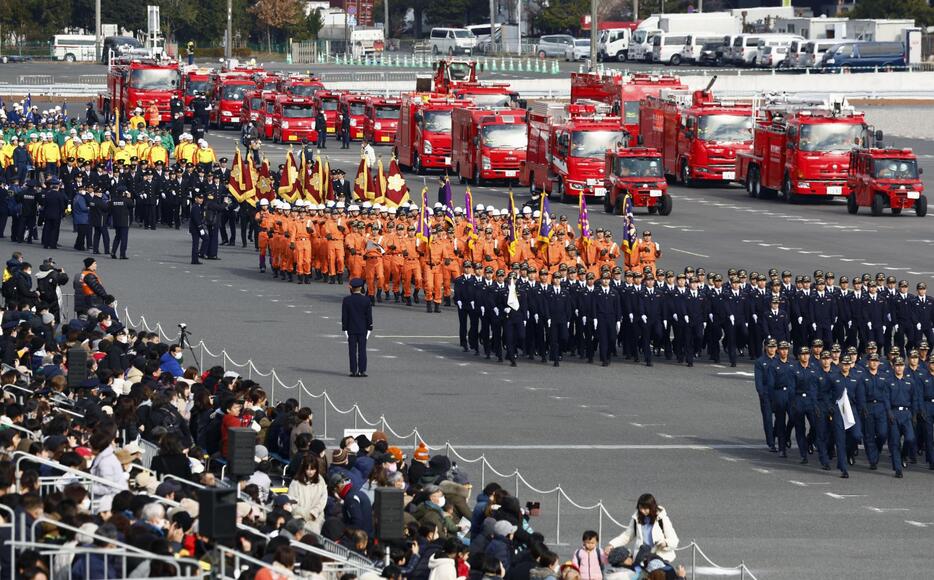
356 509
431 511
171 361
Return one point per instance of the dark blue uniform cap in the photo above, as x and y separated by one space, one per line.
357 283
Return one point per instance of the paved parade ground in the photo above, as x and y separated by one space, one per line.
690 436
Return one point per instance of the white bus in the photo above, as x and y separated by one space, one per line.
74 47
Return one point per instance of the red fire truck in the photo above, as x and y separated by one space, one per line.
294 119
451 73
885 178
328 102
488 143
299 85
423 140
382 120
567 147
639 172
800 149
140 82
227 97
490 95
195 80
252 107
353 105
697 134
623 93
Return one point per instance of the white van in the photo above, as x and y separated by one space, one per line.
451 41
812 51
667 47
640 44
744 49
768 54
692 47
74 47
614 44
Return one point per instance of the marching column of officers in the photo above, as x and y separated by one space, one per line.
101 201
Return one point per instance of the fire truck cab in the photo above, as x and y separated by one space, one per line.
488 143
195 80
639 172
382 120
800 149
698 135
227 98
252 106
492 95
328 102
567 147
423 140
299 85
623 93
885 178
451 73
353 105
140 82
294 120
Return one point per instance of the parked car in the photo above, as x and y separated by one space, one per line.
553 45
452 41
812 51
711 53
771 56
580 50
694 45
859 55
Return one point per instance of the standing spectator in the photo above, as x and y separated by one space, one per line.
304 418
107 464
22 286
588 558
649 527
171 459
49 282
90 115
309 492
81 218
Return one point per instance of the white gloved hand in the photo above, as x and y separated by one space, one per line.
567 325
496 310
460 305
676 317
755 318
595 324
548 324
368 333
711 317
869 324
536 318
645 319
473 304
687 319
507 310
630 318
800 319
849 324
665 324
346 335
483 311
576 312
585 321
918 326
617 325
732 319
813 326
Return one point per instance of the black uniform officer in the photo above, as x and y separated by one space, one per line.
121 213
345 131
53 210
24 229
228 225
463 295
196 227
604 316
357 323
321 127
514 318
98 213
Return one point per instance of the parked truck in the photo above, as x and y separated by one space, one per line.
423 140
639 173
567 147
140 82
881 178
698 134
382 120
488 144
353 105
800 149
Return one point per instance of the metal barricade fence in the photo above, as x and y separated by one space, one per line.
150 450
279 390
36 80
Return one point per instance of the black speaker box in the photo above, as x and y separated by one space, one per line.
217 514
77 367
241 447
387 510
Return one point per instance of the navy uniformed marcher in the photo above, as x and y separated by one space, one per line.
357 323
765 382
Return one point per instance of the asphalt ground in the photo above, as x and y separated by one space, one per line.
690 436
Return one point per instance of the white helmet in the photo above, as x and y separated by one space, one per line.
479 207
526 210
490 208
537 214
264 202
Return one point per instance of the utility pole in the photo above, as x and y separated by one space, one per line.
594 34
493 26
519 27
227 48
97 29
386 21
635 10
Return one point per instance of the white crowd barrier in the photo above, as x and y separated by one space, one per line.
519 483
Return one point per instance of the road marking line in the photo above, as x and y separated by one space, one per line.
919 524
647 424
803 484
610 447
414 336
761 470
689 253
739 373
841 496
879 510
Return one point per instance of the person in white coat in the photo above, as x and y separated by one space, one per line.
442 565
106 465
649 527
309 492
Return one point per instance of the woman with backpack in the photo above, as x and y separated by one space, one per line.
650 531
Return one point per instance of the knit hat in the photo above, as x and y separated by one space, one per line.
378 436
339 457
421 452
396 454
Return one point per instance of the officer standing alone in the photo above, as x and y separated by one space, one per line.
357 323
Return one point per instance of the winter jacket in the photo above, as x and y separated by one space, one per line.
500 547
80 211
442 568
662 531
310 498
168 364
107 466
